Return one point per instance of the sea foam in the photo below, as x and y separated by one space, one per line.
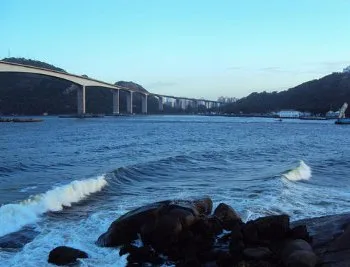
302 172
14 216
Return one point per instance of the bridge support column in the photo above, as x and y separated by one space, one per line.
115 94
160 101
195 105
81 100
129 102
144 104
177 103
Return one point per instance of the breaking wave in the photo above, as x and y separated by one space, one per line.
302 172
15 216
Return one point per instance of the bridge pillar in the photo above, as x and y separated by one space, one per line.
81 100
177 103
195 105
144 104
160 101
129 102
115 94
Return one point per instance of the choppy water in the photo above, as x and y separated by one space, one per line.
63 181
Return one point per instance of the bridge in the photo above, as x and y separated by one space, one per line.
83 82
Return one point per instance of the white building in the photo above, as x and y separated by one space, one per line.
289 114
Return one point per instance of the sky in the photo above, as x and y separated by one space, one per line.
196 48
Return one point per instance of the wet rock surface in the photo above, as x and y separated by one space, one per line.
185 233
330 239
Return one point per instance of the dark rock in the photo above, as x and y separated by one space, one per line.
125 228
215 225
18 239
298 253
250 233
224 259
166 232
342 242
272 227
300 232
144 255
158 223
127 248
65 255
258 253
293 245
227 215
301 258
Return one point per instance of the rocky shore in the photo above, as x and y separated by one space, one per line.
190 233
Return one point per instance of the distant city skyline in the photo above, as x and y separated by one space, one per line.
187 48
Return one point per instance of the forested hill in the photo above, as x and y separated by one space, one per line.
34 94
34 63
316 96
132 86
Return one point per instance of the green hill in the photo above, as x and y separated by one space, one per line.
316 96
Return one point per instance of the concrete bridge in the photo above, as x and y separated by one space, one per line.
83 82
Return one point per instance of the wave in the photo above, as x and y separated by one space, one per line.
302 172
14 216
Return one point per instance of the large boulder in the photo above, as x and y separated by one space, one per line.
65 255
125 228
298 253
158 224
227 215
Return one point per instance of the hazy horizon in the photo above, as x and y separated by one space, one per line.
192 49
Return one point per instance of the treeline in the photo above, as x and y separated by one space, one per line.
316 96
34 63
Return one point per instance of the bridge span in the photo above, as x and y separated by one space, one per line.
83 82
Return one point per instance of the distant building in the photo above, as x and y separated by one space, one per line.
332 114
347 69
289 114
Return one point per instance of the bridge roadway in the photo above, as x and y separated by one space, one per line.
115 89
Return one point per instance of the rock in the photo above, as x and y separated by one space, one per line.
301 258
300 232
125 229
227 215
298 253
144 255
166 232
293 245
65 255
342 242
18 239
201 206
159 224
272 228
215 225
250 233
258 253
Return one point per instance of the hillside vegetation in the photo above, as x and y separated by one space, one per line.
316 96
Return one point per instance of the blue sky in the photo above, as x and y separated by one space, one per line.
181 47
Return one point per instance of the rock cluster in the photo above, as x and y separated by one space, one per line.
187 233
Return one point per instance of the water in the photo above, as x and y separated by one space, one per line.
63 181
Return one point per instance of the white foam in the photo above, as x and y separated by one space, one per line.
302 172
14 216
27 189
